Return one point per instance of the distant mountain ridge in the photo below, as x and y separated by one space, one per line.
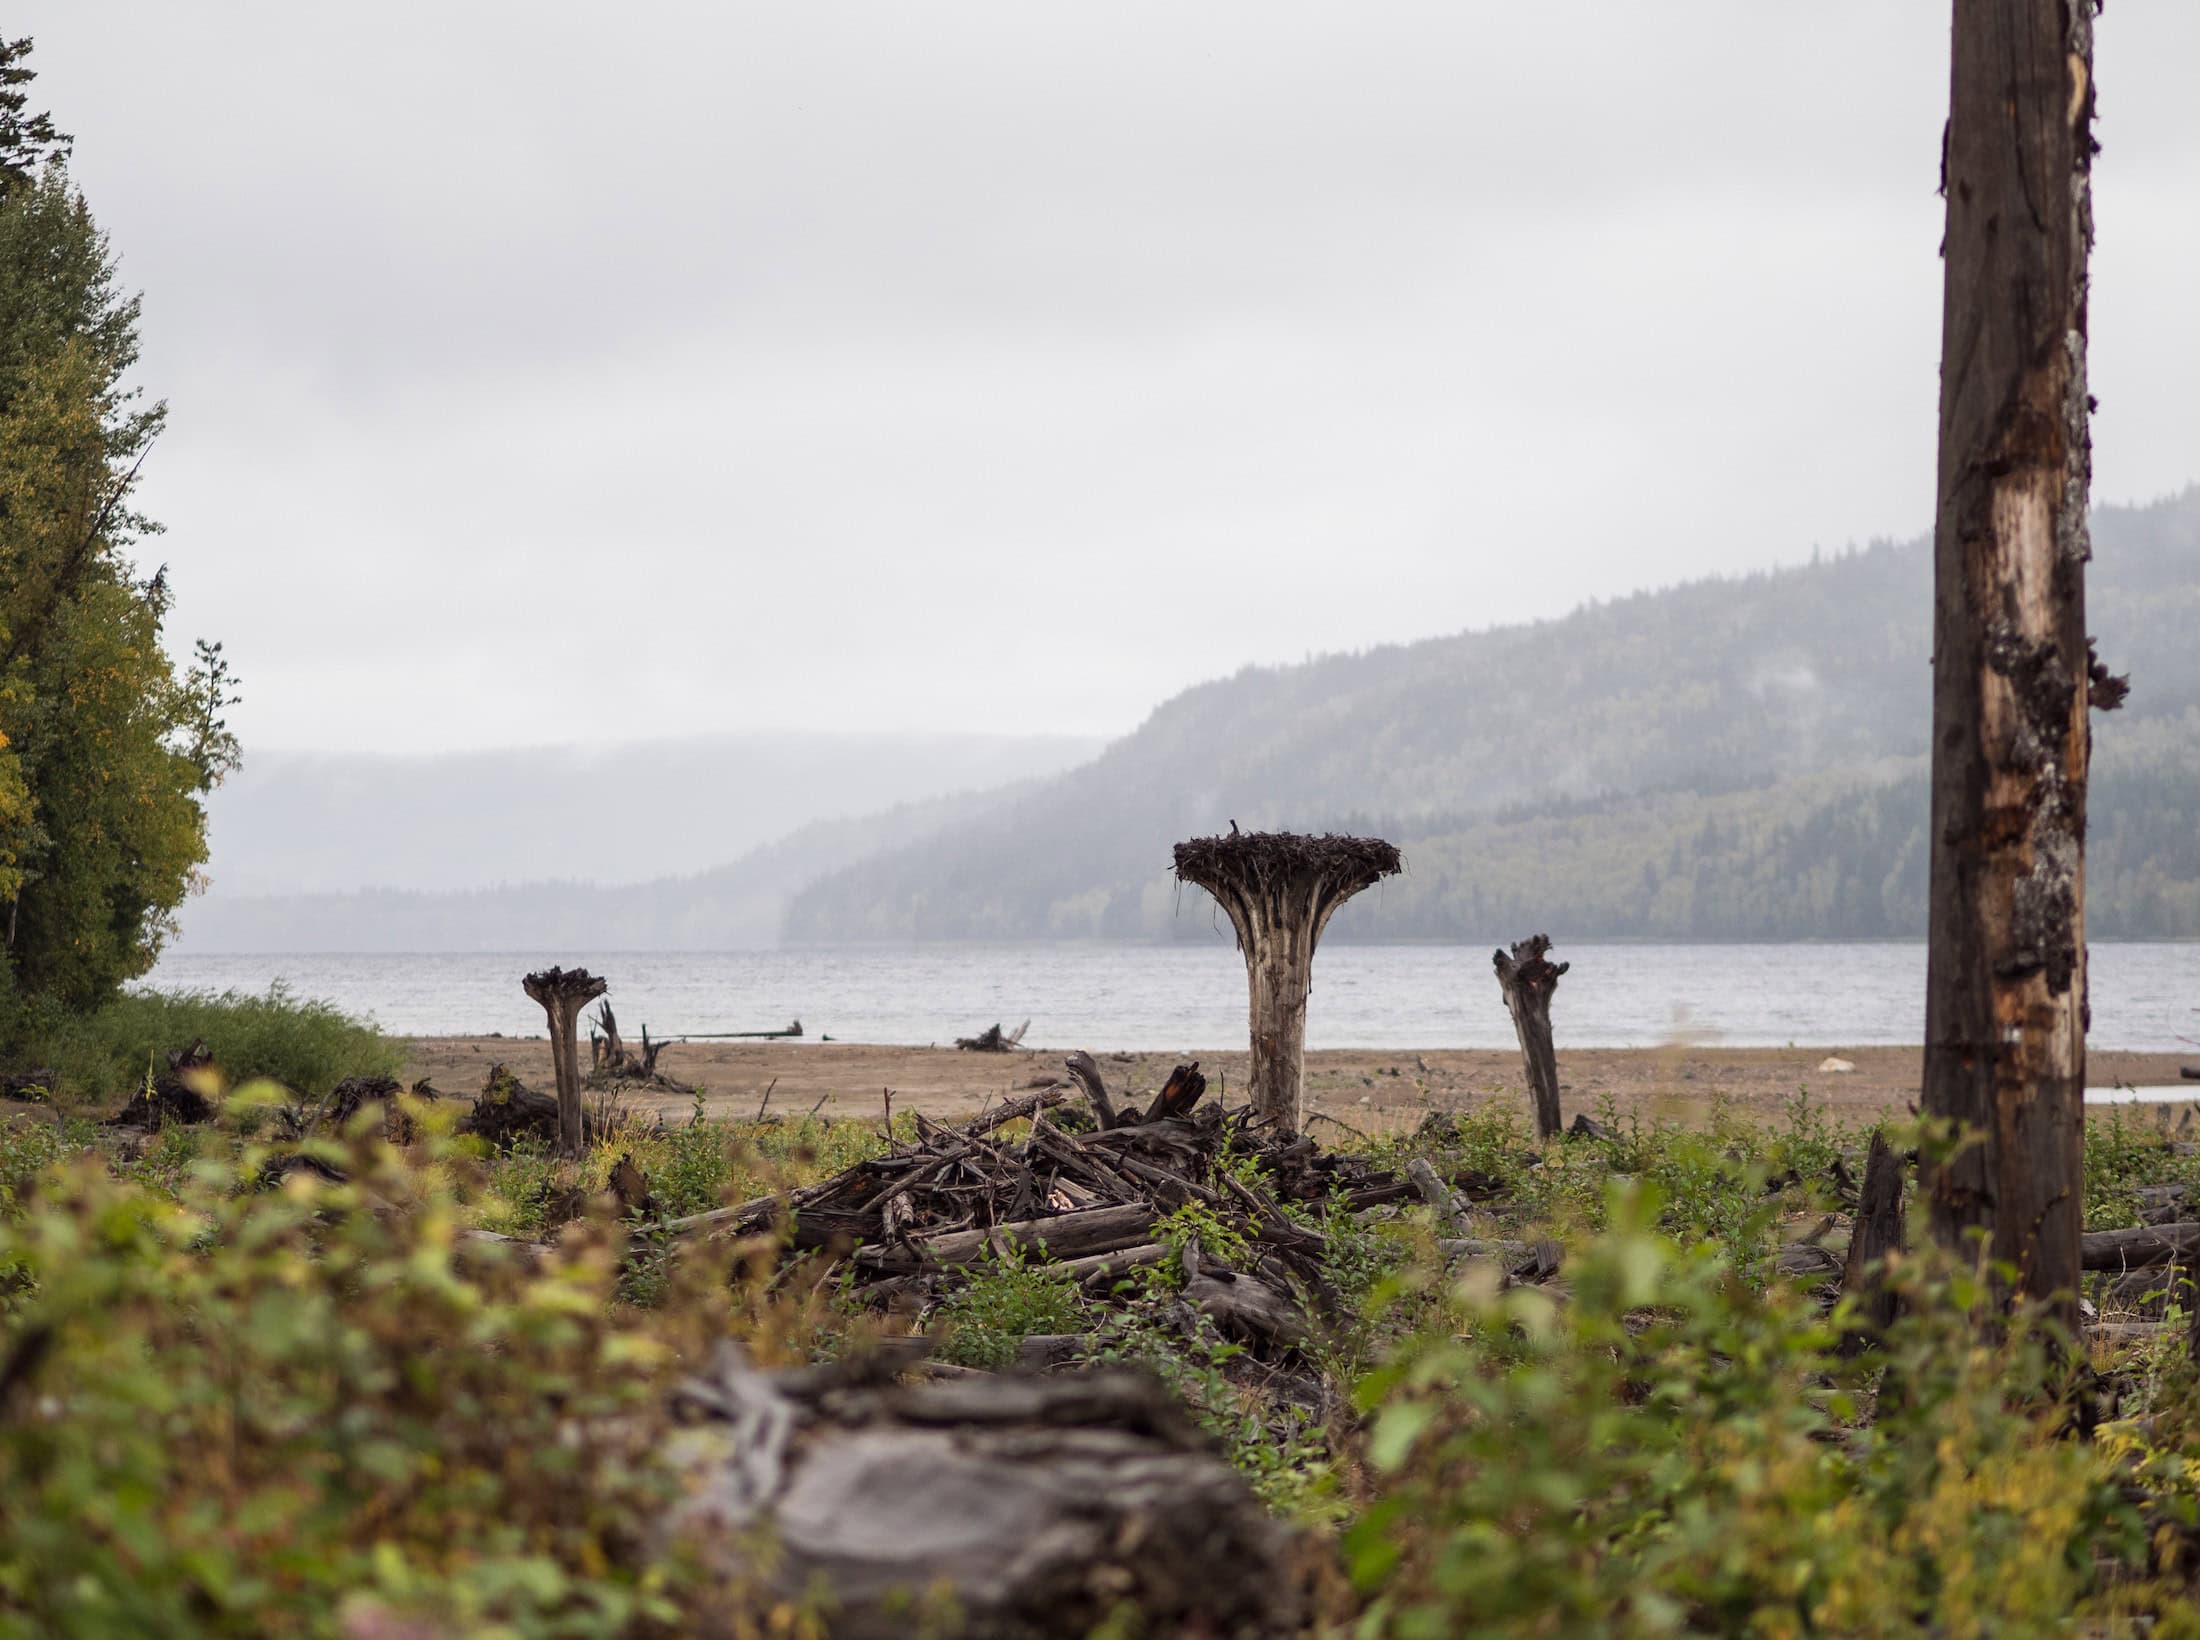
331 823
736 906
677 844
1723 759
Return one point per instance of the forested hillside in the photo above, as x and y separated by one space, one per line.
1725 759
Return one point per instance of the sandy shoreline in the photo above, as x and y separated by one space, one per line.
1366 1087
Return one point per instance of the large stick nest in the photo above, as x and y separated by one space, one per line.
1254 860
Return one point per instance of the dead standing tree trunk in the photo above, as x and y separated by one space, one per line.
2006 983
1279 891
563 993
1528 977
1876 1233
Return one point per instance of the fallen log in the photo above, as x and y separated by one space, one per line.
1438 1196
1064 1236
1041 1505
742 1036
1242 1307
2147 1244
1042 1352
2130 1332
1100 1269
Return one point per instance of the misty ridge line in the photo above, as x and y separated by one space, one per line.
1737 756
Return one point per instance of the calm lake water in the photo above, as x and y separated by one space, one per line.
1165 998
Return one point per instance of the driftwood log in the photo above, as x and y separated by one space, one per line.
993 1039
1279 890
2147 1244
562 993
1528 977
1039 1505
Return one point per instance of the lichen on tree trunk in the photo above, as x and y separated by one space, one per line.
1279 890
2006 984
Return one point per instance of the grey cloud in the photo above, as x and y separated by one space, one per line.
878 365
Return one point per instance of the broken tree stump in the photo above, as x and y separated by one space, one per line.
562 994
1082 1066
1184 1089
1039 1505
1528 977
1878 1232
1279 890
185 1094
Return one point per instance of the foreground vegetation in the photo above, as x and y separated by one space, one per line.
235 1407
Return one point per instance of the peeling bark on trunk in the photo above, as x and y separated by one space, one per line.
562 994
1279 891
1529 978
2006 988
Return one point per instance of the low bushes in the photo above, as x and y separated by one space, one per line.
308 1046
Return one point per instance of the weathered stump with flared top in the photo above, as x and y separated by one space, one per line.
1279 890
1528 977
563 993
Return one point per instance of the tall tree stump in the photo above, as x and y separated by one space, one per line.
1279 890
1877 1233
2005 1010
1528 977
563 993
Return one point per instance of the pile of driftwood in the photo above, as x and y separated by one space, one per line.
1085 1187
612 1060
993 1039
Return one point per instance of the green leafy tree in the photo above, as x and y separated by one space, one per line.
106 749
27 140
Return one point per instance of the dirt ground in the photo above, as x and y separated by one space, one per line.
1369 1089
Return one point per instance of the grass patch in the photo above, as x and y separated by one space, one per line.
306 1045
274 1411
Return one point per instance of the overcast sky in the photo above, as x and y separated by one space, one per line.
552 371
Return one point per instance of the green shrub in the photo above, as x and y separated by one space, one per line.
1002 1302
1674 1451
260 1412
308 1046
